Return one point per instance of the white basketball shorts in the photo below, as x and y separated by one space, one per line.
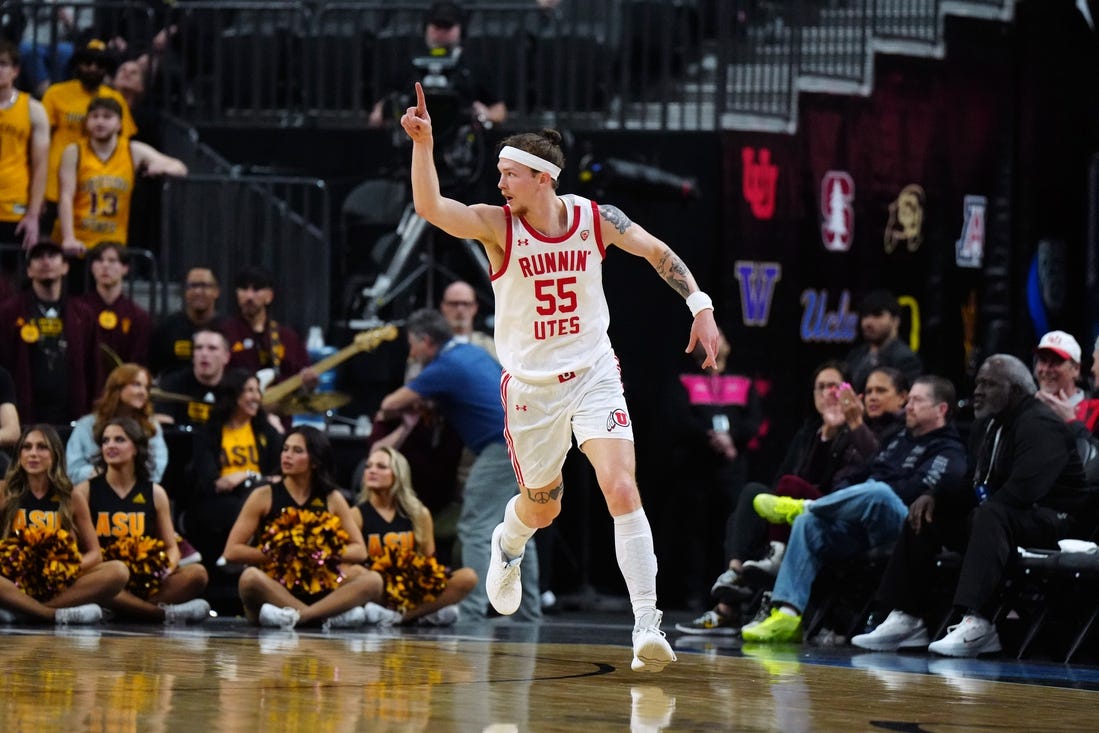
541 419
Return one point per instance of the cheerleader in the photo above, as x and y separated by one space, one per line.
37 494
126 503
393 518
306 484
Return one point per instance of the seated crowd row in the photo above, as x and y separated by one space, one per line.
883 467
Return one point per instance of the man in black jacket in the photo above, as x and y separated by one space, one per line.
879 323
1028 489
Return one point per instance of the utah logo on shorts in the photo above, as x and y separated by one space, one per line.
617 418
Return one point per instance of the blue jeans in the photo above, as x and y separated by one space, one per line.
837 526
489 488
43 63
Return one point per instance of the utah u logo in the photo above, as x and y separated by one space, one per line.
757 288
970 248
758 182
837 192
617 418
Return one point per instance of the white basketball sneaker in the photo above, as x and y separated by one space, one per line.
503 582
651 651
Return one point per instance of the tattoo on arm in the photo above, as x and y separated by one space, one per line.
614 215
545 497
675 273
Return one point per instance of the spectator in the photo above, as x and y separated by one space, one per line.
37 493
464 382
867 512
97 179
713 414
879 321
66 104
10 428
392 517
459 307
306 466
1028 490
125 394
47 342
257 341
1087 411
1057 369
47 42
187 395
462 89
24 149
122 326
172 338
125 501
236 451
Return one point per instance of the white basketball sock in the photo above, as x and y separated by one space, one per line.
633 544
513 540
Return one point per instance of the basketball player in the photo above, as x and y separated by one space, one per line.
97 179
561 377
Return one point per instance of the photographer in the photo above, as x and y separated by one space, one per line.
452 79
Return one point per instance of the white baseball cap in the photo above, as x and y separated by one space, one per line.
1062 344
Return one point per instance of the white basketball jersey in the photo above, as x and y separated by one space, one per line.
551 313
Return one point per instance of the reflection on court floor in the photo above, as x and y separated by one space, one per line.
498 677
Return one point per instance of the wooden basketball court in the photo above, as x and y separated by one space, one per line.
571 673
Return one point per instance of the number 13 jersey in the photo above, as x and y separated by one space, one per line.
551 312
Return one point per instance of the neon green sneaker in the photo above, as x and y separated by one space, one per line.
779 628
778 509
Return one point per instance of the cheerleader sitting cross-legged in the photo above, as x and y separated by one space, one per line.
133 520
394 520
37 501
285 586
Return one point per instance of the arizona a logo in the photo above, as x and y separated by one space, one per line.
837 194
758 182
969 250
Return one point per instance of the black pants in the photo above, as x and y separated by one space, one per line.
988 536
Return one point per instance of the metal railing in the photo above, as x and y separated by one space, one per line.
650 64
224 218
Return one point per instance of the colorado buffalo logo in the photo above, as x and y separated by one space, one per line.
617 418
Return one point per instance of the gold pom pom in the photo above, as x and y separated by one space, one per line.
303 550
411 579
41 562
146 558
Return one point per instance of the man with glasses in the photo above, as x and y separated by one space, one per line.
171 343
459 308
66 104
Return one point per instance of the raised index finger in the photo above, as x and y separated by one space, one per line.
421 103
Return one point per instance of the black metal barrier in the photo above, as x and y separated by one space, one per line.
639 64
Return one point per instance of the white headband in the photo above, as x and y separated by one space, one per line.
530 160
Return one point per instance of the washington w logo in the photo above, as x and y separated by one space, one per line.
757 288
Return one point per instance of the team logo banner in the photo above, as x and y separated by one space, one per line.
759 181
837 198
969 250
906 216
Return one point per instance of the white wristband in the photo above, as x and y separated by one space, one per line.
698 301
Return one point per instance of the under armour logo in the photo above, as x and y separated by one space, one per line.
521 407
522 242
